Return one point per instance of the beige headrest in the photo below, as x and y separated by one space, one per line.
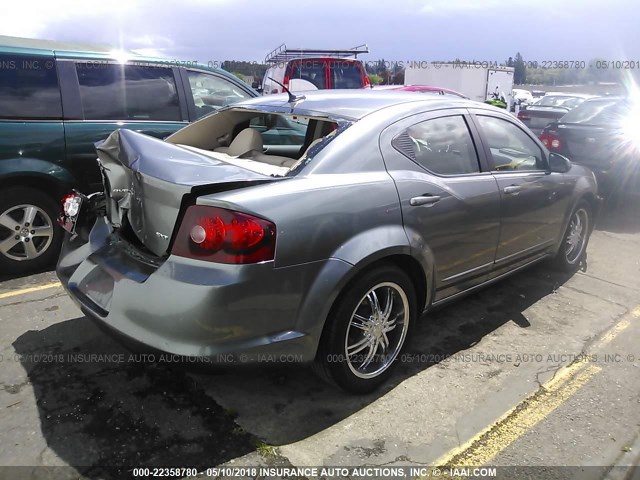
247 140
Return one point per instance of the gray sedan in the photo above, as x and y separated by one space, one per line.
209 245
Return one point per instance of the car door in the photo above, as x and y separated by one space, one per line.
450 203
100 96
207 91
533 200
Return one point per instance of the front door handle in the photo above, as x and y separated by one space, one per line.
512 189
424 200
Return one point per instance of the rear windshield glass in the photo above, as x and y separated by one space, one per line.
551 101
312 71
600 112
346 74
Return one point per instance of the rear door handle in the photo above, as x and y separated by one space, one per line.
424 200
512 189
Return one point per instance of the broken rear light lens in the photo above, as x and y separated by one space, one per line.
71 204
224 236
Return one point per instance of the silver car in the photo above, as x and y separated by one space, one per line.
208 245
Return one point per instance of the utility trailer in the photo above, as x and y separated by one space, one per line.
476 80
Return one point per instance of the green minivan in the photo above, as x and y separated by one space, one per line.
56 101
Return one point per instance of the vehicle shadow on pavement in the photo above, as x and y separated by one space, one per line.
286 405
17 276
117 411
620 214
103 407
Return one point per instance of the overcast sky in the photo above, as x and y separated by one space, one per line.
402 30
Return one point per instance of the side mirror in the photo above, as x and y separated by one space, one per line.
559 163
257 86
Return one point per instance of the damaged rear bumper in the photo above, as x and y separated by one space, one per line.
217 312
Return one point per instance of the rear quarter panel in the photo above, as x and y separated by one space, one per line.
323 216
340 222
583 186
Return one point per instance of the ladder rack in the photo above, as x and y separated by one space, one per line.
284 54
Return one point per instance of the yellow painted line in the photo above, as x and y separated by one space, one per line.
519 421
496 437
481 437
620 326
615 331
14 293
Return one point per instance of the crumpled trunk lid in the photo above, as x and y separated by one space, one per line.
146 179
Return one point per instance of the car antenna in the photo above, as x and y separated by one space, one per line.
292 98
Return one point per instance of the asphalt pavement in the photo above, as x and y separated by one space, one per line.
539 372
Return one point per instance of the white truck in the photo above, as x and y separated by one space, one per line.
476 80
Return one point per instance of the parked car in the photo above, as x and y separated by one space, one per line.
56 101
548 109
301 69
602 134
522 97
395 204
421 89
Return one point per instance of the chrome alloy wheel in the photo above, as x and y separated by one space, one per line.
26 231
577 235
377 330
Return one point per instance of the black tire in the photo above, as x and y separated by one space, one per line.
332 362
15 260
570 261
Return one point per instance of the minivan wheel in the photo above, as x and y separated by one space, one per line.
575 239
30 238
367 330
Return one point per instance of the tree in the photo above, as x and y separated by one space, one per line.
374 79
252 69
520 70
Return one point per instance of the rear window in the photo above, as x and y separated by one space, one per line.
601 112
312 71
129 92
551 101
29 88
346 74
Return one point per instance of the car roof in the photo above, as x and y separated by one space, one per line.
568 94
349 104
406 87
607 98
27 45
34 46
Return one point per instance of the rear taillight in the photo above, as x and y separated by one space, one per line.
366 82
224 236
522 115
550 140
